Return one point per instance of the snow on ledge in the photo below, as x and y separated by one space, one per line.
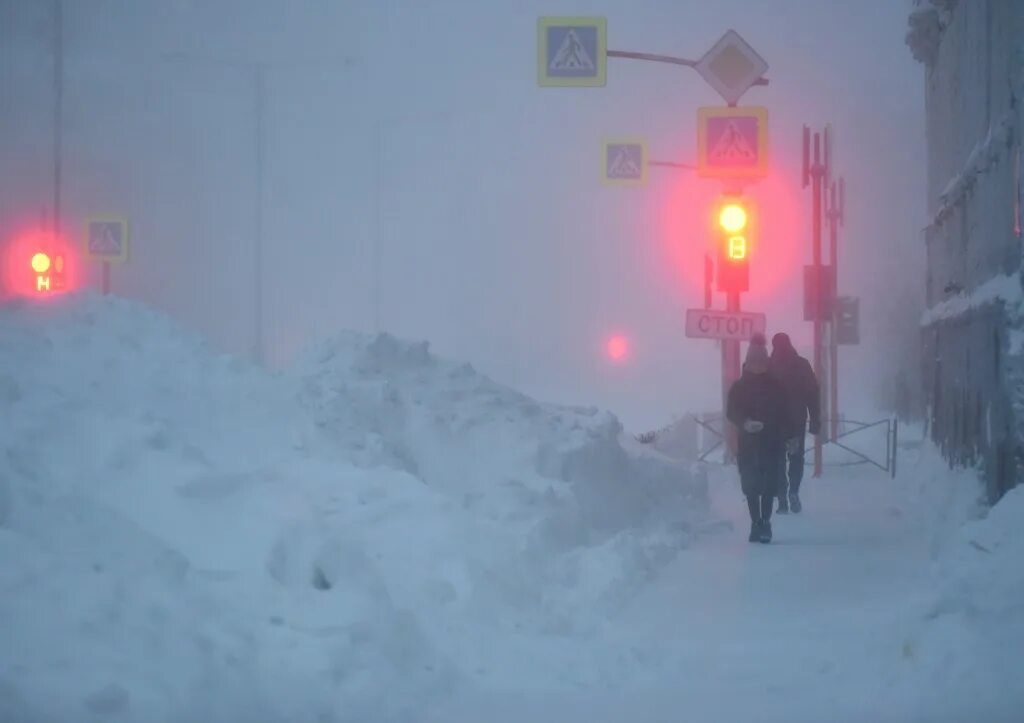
985 154
1004 288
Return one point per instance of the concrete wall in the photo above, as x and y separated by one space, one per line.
972 52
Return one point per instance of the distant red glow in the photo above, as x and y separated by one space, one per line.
37 265
617 348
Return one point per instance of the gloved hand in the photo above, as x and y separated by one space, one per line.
814 427
793 445
752 426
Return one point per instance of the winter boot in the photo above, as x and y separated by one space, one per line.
783 505
766 532
755 532
794 502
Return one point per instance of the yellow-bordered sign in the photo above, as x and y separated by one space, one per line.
732 142
624 162
572 51
106 239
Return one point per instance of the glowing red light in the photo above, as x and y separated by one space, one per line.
617 348
36 264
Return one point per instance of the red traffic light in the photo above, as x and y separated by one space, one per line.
35 264
733 221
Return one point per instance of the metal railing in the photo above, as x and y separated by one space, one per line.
850 427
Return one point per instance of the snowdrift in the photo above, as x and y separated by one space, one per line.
971 637
186 537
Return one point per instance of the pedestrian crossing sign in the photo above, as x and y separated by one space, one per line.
106 239
625 162
732 142
572 51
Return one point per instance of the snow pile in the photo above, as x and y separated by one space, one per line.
961 640
974 633
185 537
556 481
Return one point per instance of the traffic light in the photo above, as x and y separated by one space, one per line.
49 272
35 264
733 222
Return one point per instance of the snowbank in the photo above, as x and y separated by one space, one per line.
958 647
972 637
185 537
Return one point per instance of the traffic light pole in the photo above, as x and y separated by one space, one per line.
58 112
730 373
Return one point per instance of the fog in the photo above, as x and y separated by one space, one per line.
406 174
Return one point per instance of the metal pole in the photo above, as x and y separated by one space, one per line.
259 351
709 279
58 110
378 240
833 237
895 443
817 171
730 373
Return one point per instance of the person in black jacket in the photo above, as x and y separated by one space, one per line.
796 376
757 406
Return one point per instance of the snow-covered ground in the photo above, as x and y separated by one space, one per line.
382 535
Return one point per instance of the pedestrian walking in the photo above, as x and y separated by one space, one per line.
803 398
758 407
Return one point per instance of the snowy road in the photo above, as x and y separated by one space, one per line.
809 628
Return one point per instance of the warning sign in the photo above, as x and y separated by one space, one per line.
572 51
572 55
106 239
625 162
732 142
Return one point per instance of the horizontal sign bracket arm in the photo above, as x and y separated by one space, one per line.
670 59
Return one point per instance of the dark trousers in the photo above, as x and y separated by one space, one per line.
760 507
792 473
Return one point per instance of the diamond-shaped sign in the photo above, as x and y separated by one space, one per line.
731 67
625 162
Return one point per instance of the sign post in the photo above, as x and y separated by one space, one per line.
106 241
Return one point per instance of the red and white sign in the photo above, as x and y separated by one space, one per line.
715 324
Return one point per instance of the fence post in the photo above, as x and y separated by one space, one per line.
895 443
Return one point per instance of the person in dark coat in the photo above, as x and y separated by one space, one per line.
757 406
796 376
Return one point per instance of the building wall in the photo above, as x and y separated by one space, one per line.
972 53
